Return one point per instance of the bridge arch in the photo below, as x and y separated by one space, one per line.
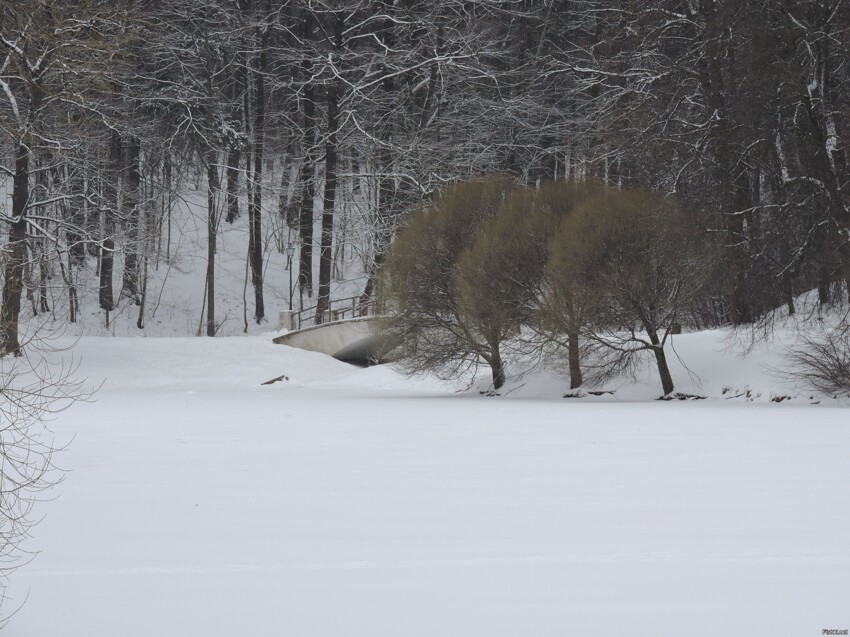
355 340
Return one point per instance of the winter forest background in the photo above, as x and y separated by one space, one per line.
319 124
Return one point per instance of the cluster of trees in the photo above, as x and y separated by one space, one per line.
333 113
745 104
599 273
341 114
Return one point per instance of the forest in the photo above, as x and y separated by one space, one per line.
321 124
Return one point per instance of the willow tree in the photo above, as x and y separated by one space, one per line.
559 309
423 280
500 279
633 262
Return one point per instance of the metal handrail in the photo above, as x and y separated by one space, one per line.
337 310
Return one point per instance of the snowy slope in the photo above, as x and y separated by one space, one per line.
177 270
357 502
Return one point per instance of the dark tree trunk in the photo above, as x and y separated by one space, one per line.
110 195
661 361
255 235
68 276
308 186
305 223
663 370
44 276
167 203
326 241
234 159
140 323
497 368
238 95
824 284
76 217
132 203
789 296
212 217
573 355
38 245
212 187
13 271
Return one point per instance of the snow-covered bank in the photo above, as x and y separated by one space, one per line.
341 501
714 364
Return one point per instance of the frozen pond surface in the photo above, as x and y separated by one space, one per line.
355 502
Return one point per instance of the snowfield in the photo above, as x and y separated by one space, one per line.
342 501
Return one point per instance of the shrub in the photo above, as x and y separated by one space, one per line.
824 363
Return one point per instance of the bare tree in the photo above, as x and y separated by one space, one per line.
33 388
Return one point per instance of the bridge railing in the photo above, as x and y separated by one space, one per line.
337 310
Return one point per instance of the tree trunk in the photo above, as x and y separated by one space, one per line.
68 276
132 203
140 323
44 275
573 355
38 245
212 186
110 196
824 284
255 235
660 356
663 369
75 208
168 203
308 186
234 159
326 241
497 368
13 272
212 220
844 255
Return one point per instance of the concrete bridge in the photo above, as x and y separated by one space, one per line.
353 340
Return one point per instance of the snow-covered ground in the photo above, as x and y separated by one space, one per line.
342 501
